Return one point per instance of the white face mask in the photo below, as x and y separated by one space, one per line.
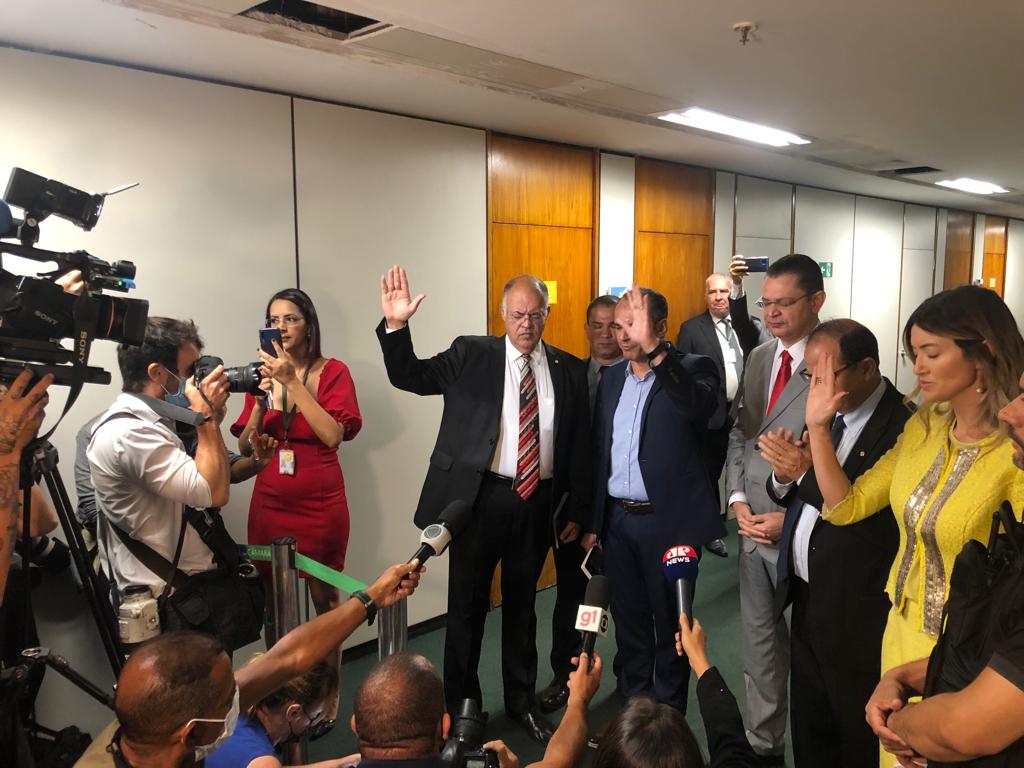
229 720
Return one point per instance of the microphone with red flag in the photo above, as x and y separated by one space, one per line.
680 566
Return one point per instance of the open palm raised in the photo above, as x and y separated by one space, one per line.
395 299
822 399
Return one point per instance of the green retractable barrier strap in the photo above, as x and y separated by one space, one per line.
317 570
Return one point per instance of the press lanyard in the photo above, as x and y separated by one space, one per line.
288 414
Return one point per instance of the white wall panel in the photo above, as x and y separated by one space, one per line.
941 219
210 230
618 206
978 253
763 208
919 227
824 231
725 211
875 287
916 281
1013 292
376 190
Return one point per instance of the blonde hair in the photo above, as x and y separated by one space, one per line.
314 687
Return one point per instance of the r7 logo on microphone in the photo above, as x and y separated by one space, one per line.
592 619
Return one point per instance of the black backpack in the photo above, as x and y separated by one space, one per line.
986 600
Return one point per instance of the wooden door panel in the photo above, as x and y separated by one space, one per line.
532 182
959 249
673 198
674 265
559 254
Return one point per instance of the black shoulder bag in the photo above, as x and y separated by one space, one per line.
986 597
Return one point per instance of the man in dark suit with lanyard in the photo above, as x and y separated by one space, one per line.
572 582
834 576
651 489
513 442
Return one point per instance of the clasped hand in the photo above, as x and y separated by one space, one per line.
788 457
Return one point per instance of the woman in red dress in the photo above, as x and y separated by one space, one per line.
312 410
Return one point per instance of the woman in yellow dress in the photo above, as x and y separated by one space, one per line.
949 470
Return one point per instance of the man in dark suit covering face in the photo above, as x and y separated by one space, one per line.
651 489
513 441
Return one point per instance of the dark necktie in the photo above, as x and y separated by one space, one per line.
836 430
528 458
785 371
734 344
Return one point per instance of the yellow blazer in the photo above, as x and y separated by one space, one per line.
943 493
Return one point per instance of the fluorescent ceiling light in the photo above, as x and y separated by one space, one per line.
695 117
965 184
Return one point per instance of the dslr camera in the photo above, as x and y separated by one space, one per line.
36 312
241 378
464 748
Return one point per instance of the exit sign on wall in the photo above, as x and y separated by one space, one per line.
826 268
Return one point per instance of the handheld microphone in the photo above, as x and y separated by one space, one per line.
680 566
592 617
435 537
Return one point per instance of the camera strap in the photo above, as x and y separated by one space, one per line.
170 410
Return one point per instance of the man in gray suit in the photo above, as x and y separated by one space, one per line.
772 398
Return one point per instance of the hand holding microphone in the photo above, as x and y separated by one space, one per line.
435 537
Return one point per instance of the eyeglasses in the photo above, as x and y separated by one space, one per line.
535 318
312 720
808 375
286 320
780 303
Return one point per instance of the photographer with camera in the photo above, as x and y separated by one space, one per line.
155 500
400 720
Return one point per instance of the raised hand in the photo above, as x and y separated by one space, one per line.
642 330
738 269
822 399
395 299
281 368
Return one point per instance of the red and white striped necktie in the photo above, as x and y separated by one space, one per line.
528 458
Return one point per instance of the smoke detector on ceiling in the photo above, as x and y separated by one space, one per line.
746 30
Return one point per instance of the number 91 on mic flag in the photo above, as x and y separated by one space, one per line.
591 618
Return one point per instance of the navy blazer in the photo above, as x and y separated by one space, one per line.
685 399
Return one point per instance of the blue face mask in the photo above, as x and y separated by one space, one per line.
176 398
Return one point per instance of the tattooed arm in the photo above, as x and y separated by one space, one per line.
21 413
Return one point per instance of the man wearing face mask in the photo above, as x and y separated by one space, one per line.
178 700
141 472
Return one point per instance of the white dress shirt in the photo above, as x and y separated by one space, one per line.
142 477
724 330
507 453
855 422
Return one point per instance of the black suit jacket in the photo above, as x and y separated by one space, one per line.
697 336
685 399
848 565
471 376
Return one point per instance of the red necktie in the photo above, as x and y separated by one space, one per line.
781 379
528 461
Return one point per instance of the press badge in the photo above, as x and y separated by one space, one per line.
730 356
286 461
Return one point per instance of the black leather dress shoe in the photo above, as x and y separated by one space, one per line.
553 697
717 547
537 726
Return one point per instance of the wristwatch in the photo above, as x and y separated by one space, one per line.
661 347
368 604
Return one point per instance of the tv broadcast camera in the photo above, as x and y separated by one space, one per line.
36 312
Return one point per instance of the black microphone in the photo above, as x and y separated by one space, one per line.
680 565
435 537
592 617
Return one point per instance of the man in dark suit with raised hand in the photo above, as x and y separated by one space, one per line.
513 441
834 576
651 489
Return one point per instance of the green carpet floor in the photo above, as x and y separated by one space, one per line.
717 606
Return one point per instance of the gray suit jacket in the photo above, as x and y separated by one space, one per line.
745 470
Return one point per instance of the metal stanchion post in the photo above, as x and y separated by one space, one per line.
286 615
392 629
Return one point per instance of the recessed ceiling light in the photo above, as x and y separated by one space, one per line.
965 184
695 117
